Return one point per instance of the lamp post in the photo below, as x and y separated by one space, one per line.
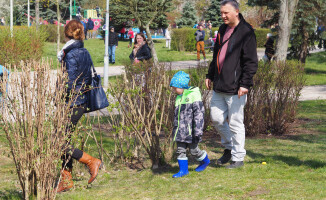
28 14
11 17
70 6
106 55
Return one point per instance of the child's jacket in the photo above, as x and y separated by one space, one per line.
189 116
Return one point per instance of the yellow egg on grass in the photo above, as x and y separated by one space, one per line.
263 163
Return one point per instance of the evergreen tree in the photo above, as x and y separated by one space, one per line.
160 22
47 10
188 17
119 17
304 27
213 13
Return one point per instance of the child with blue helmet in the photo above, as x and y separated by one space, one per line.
188 123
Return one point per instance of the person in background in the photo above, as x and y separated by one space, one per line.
163 31
210 34
113 44
78 10
215 36
141 50
84 23
269 48
78 15
97 8
168 37
122 32
203 23
90 27
188 123
3 22
131 37
208 24
200 46
78 63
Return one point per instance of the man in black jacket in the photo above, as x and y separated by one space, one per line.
232 69
113 44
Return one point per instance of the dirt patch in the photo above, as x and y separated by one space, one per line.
259 191
296 128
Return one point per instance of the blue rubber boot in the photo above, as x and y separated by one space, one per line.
204 161
183 165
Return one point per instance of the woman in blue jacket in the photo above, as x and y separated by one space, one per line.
78 63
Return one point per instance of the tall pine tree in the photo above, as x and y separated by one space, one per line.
188 17
304 26
213 13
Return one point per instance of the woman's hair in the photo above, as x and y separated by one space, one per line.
75 30
142 35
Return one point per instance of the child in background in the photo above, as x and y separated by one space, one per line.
131 37
188 123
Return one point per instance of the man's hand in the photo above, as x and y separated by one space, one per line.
208 83
242 91
136 60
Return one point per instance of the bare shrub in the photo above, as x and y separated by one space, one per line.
273 100
145 112
34 116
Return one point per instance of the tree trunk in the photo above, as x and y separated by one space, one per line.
304 45
287 11
37 13
156 152
151 45
58 27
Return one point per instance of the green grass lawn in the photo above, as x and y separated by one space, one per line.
315 69
96 49
296 169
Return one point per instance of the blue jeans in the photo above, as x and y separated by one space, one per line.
112 53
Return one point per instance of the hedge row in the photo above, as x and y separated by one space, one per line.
51 30
183 39
26 44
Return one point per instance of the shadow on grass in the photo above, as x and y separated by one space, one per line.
10 194
314 71
289 160
313 139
